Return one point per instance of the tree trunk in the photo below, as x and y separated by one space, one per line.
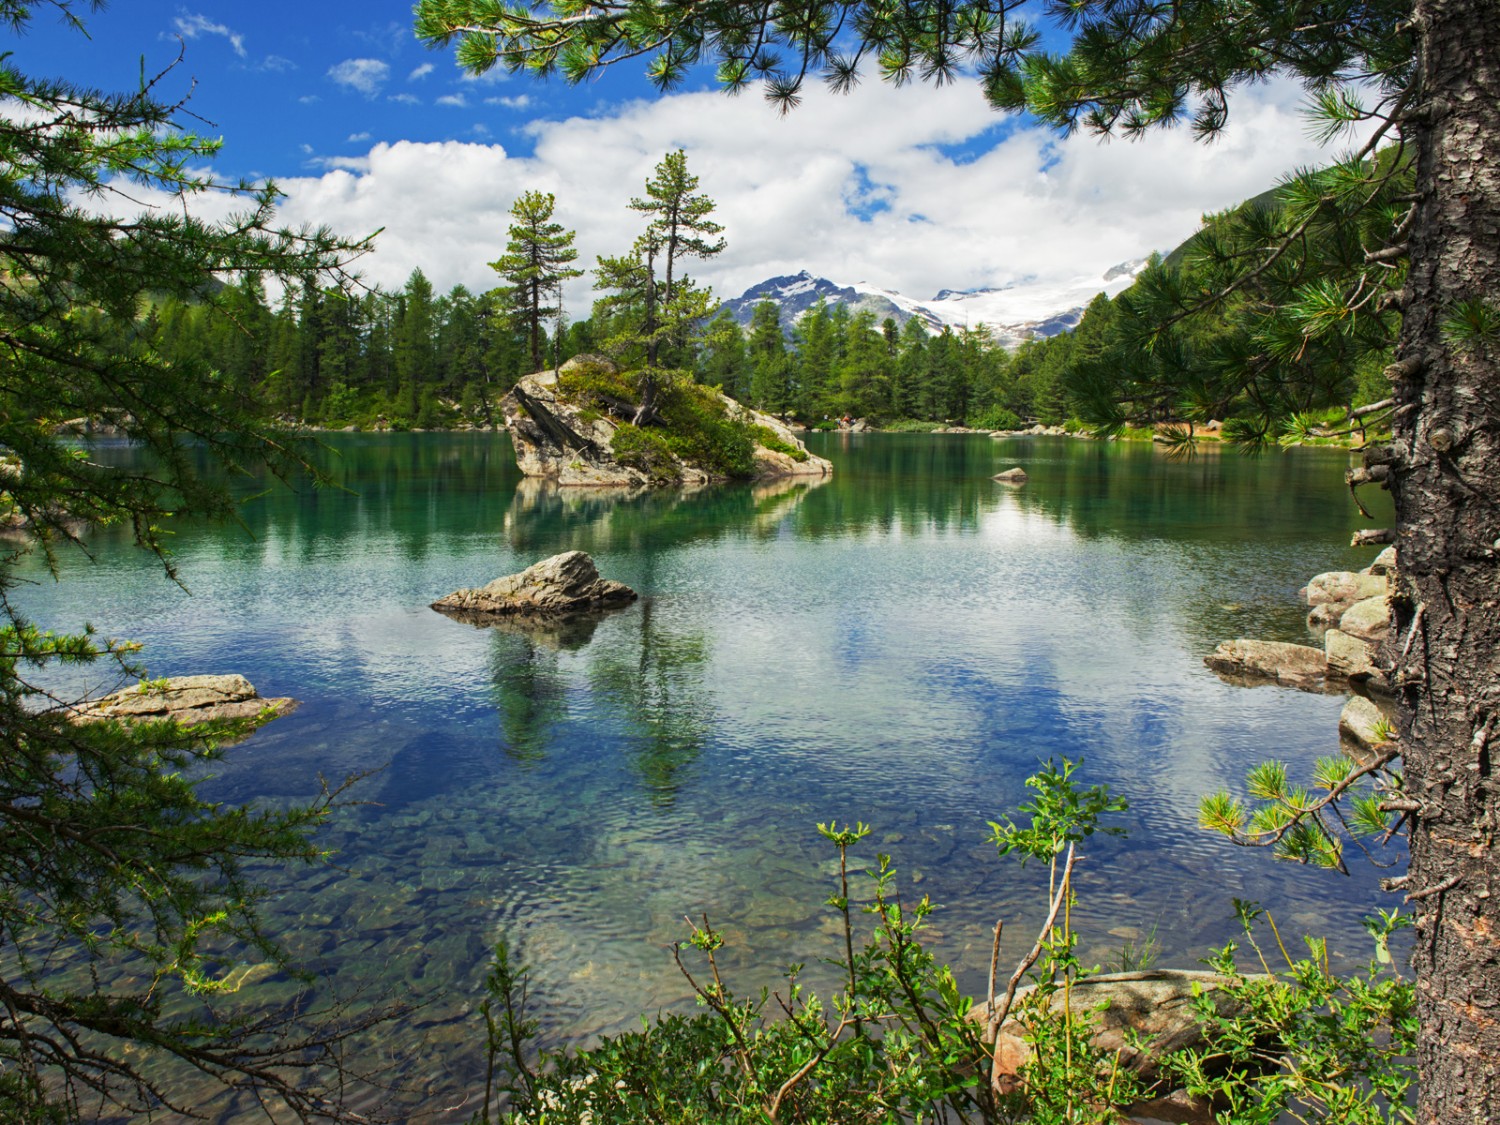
1446 611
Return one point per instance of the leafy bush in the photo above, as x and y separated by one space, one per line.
695 425
589 382
899 1042
910 426
997 418
647 450
766 437
1341 1047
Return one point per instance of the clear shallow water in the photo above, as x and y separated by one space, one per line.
901 645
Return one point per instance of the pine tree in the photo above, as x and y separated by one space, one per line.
722 361
679 228
535 265
112 867
653 306
770 368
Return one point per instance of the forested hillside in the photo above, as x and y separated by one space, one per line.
1161 352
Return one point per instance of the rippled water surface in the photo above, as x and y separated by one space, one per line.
901 645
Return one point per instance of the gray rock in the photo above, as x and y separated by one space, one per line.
1016 475
1348 656
1344 587
564 584
187 700
1369 620
1250 663
1384 564
1326 616
1363 727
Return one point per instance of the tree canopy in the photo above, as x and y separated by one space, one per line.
125 895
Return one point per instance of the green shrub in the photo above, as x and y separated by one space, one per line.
899 1042
910 426
767 439
647 450
585 382
997 418
696 427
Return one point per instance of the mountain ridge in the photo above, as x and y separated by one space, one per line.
1014 313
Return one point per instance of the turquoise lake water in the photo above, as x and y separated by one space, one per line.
902 645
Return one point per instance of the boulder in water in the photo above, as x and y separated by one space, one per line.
564 584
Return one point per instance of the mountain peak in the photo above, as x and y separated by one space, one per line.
1014 312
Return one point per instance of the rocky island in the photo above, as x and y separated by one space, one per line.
587 423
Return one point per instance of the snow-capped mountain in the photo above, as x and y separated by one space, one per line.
797 294
1015 312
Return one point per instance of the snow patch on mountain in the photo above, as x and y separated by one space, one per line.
1019 311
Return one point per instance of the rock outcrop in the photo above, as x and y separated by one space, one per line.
565 584
1016 475
1330 596
187 700
573 444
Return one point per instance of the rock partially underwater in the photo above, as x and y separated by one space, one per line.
562 586
187 700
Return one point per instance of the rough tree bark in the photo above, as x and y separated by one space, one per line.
1446 615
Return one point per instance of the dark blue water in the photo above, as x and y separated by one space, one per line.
901 645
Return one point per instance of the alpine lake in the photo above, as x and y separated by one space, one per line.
902 644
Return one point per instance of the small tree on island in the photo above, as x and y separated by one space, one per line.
659 305
535 265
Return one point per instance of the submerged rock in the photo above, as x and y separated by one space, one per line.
187 700
1250 662
568 583
1016 475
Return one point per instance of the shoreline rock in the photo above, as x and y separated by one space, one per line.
1154 1004
1252 663
563 585
186 699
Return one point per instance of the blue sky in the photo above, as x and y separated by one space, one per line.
915 189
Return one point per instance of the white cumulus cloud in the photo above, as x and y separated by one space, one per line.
366 76
421 72
915 189
452 101
192 26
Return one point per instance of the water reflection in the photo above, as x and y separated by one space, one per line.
900 644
